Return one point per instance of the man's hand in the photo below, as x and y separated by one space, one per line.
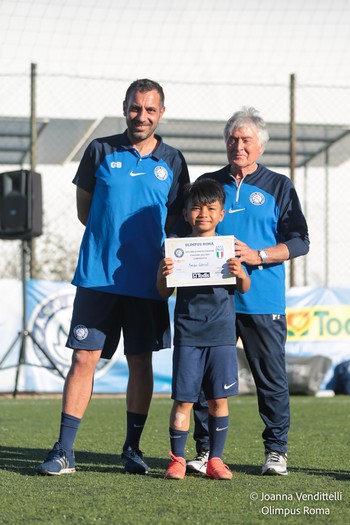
246 254
276 254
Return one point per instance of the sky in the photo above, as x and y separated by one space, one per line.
214 41
211 56
206 53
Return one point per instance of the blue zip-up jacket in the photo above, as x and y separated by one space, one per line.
263 211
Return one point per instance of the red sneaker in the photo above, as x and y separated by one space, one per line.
216 469
177 467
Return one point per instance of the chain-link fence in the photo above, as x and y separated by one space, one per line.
63 103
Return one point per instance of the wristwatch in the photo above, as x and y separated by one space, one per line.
263 256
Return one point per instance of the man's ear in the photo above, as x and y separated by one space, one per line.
184 211
222 215
124 108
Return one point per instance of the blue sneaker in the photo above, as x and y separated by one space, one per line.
58 462
134 463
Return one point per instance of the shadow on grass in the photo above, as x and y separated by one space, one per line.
24 461
339 475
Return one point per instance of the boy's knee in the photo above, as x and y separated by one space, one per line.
217 405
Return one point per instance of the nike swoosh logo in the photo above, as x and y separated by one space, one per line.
226 387
219 429
138 426
231 210
132 174
175 437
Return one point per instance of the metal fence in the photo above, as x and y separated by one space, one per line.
323 184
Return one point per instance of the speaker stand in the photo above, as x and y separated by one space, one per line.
24 334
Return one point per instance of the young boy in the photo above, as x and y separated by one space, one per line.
204 339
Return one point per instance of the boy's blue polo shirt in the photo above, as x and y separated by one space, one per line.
205 316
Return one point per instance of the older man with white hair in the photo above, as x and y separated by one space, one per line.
264 213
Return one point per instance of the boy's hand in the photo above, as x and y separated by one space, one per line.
236 268
166 266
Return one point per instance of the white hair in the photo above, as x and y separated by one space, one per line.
247 117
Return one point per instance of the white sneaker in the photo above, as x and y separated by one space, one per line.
275 464
199 463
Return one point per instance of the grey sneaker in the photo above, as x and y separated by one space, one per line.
199 463
275 464
133 462
58 462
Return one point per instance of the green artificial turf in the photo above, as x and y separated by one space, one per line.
317 489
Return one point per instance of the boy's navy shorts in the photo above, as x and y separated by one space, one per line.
214 368
98 319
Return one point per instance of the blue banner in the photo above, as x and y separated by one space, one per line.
318 325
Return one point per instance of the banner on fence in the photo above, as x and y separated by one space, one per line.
318 325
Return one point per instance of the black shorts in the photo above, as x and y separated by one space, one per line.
98 319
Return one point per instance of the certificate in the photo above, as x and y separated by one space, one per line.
200 261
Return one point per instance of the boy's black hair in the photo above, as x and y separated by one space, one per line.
203 191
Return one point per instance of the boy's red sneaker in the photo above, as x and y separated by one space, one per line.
216 469
177 467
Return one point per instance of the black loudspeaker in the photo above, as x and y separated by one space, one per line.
20 205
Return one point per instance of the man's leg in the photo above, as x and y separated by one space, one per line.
138 399
140 385
263 338
79 382
76 396
201 433
152 333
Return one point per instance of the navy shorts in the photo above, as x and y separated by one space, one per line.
98 319
214 368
